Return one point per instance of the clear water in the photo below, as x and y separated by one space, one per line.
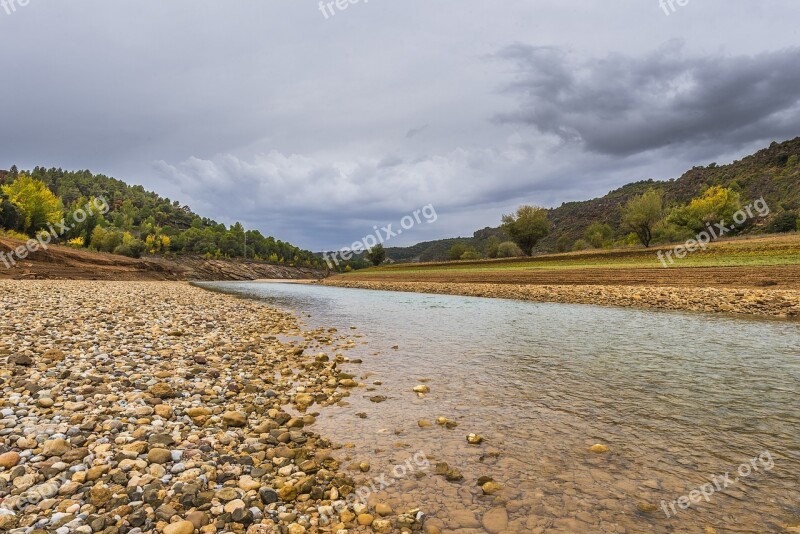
678 398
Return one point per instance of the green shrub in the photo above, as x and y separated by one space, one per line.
599 235
667 232
133 249
471 254
491 247
782 222
456 251
563 244
581 244
509 249
105 239
13 234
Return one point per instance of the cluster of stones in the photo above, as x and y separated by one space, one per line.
159 407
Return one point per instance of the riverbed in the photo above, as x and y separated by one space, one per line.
676 398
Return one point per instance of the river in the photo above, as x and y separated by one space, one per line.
679 399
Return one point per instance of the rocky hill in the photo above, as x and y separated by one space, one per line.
773 173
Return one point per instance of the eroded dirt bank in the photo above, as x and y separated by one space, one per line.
64 263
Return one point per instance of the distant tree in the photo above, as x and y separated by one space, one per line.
456 251
642 213
82 226
527 226
10 217
491 247
376 255
599 235
717 204
37 205
509 249
470 254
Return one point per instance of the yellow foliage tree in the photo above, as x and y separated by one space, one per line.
716 205
37 205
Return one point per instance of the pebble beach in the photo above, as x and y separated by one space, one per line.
133 407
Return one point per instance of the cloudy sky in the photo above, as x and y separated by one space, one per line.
314 129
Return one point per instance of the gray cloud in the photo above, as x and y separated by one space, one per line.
312 130
622 105
416 131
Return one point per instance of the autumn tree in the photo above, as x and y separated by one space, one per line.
527 227
717 204
37 205
642 213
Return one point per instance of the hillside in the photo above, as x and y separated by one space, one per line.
773 173
137 221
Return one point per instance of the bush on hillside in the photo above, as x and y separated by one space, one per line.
509 249
599 235
782 222
471 254
581 244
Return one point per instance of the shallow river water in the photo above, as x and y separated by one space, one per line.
679 399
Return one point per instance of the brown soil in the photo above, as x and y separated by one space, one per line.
783 276
64 263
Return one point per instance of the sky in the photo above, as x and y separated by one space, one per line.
314 124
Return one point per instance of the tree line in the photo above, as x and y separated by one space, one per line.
645 220
137 221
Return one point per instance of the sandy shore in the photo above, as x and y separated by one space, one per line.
132 407
754 302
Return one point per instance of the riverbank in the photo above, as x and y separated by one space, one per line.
778 303
162 408
64 263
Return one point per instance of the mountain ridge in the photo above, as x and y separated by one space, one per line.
772 173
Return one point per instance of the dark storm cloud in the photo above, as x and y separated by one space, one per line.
314 129
621 105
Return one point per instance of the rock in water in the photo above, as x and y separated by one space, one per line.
495 520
